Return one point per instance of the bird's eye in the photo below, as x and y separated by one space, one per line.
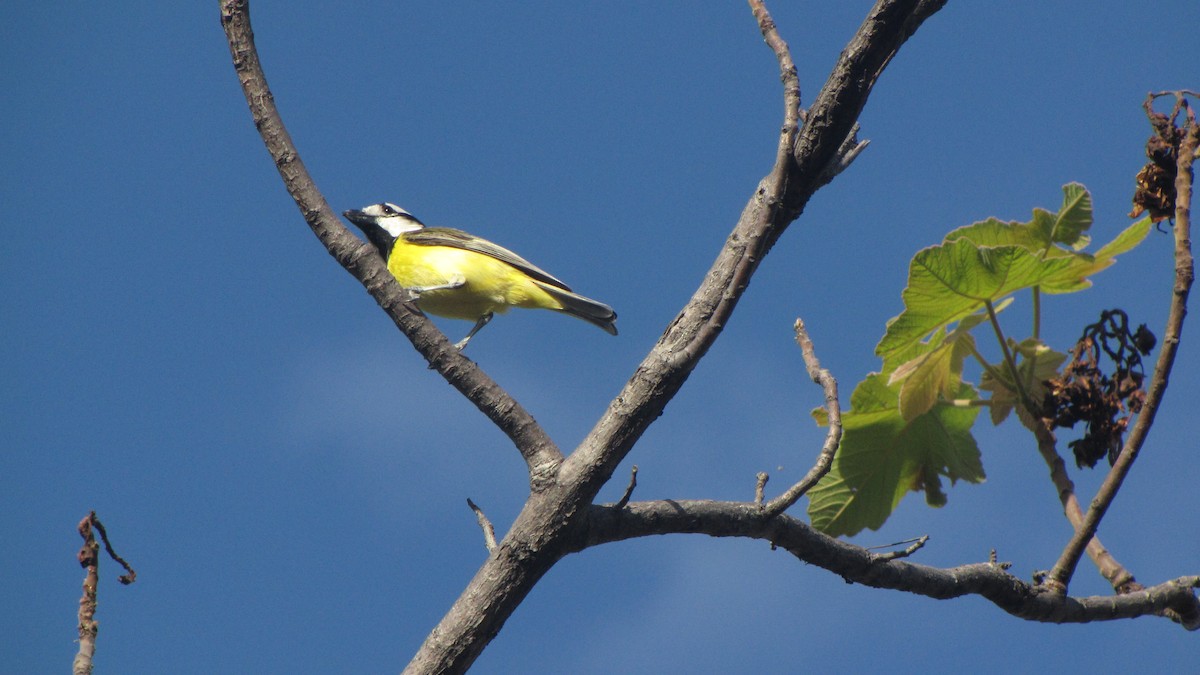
388 210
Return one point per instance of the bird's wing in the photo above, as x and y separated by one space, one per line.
445 236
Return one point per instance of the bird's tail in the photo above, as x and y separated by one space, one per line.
587 309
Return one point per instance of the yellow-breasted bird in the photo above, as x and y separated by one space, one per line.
460 276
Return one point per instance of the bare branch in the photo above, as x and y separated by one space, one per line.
89 559
1060 574
833 437
858 565
787 75
779 199
489 532
1118 577
361 261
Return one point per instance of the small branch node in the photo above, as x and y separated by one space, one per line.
759 486
847 152
489 532
628 488
995 562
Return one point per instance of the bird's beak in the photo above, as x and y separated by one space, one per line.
357 217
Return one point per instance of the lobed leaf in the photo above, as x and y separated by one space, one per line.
883 457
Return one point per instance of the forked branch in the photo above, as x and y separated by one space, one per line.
361 261
1186 140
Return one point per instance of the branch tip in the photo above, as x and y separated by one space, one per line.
89 559
489 532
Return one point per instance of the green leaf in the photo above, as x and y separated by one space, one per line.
948 282
1126 241
882 457
936 374
933 376
1073 219
987 260
1067 227
1075 276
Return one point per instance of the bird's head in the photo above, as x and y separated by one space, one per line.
382 223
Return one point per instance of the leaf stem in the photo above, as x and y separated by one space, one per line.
1008 356
1037 335
969 403
1037 312
991 370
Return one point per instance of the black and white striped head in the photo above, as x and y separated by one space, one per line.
382 223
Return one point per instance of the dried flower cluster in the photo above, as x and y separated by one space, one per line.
1105 402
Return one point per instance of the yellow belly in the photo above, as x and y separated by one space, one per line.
491 285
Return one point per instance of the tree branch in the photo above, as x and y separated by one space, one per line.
832 438
1064 568
779 199
89 559
1118 577
858 565
553 520
359 259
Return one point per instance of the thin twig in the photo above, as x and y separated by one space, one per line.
787 72
1120 578
489 532
125 579
916 545
833 437
628 488
1064 568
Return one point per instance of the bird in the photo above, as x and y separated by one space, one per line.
460 276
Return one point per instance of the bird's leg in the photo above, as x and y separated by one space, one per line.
456 281
483 321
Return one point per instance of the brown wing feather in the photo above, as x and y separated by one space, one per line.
446 236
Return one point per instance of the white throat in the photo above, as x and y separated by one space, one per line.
398 225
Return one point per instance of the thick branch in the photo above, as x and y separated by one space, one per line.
551 520
857 565
360 260
778 200
1060 575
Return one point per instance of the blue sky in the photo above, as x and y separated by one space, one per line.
290 480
